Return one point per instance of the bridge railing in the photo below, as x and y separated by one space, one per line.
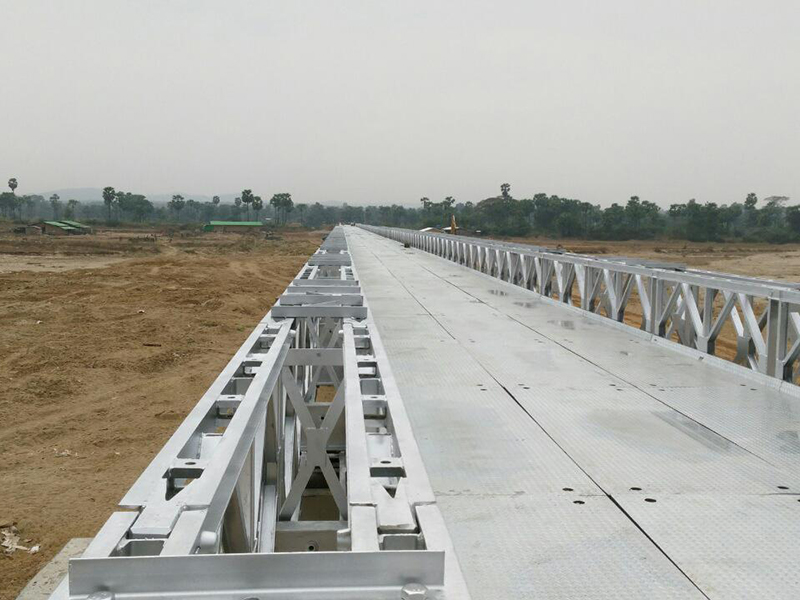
295 475
752 322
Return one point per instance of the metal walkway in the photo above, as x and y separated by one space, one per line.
573 458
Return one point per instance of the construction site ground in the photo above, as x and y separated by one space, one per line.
109 339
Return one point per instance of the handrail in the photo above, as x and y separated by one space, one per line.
688 306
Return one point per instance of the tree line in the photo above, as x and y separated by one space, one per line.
118 206
767 220
770 219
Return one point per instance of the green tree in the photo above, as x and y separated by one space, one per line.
194 207
258 204
12 183
176 205
109 196
283 205
135 206
793 219
55 204
302 209
215 200
771 215
29 204
750 211
8 203
69 212
247 200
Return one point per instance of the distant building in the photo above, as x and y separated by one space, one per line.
28 229
63 227
234 226
59 228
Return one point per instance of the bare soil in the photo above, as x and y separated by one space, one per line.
108 341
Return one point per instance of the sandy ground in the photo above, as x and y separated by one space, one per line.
107 342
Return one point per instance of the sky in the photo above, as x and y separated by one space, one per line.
375 102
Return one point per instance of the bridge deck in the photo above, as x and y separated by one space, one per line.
572 459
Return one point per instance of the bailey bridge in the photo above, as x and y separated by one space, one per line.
429 416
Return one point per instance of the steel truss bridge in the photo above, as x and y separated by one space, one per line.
422 416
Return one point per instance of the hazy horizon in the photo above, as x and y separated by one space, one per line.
371 102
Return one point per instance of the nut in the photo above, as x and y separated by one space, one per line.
414 591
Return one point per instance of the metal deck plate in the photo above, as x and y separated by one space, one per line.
513 399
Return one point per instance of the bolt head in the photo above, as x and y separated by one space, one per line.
414 591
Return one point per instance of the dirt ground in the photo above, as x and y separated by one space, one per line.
108 341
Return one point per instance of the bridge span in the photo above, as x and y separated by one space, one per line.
403 426
575 457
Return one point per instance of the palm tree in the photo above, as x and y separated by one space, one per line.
109 195
176 204
54 203
247 200
120 204
275 202
283 205
258 204
12 183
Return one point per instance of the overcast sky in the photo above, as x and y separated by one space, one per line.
386 102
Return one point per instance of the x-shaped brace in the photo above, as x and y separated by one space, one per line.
316 448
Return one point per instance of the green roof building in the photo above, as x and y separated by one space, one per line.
237 226
58 228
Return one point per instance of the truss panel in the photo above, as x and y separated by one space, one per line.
296 475
689 306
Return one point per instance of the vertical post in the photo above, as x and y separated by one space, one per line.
773 330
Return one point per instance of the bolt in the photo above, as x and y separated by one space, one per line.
414 591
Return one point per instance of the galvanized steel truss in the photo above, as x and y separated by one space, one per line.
296 475
691 307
